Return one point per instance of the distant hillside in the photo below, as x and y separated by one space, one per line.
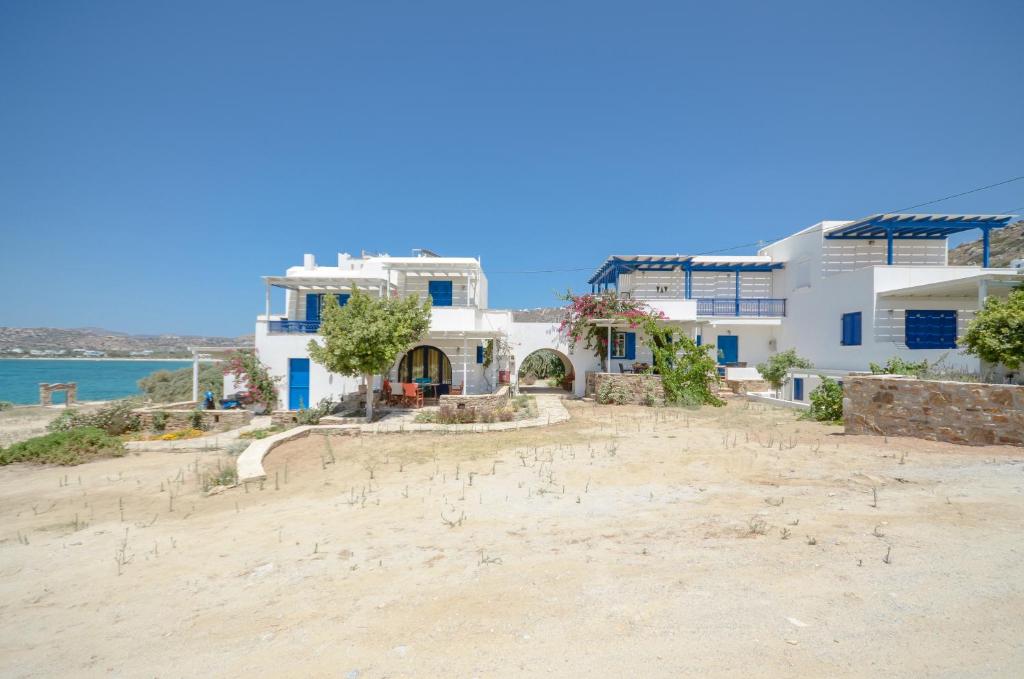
1006 245
98 342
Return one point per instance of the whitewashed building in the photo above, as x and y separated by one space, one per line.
842 293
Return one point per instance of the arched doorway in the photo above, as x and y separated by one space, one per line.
546 368
425 362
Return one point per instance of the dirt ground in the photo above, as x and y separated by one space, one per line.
628 542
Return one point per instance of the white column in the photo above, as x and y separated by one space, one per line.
465 366
609 366
267 305
195 375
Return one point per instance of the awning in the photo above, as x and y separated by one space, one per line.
966 287
332 284
610 269
909 226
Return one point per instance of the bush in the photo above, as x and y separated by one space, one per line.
169 386
325 407
775 368
115 419
195 420
612 392
5 405
159 421
71 447
897 366
827 402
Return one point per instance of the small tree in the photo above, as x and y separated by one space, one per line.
996 334
775 369
688 370
827 402
366 336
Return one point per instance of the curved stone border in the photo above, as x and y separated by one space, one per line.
550 410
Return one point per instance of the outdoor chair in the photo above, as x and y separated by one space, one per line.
412 396
624 370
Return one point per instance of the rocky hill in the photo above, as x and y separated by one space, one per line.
1006 245
97 342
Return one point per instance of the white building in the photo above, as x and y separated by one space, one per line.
843 294
453 352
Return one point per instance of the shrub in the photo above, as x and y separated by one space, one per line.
195 420
827 402
70 447
312 415
897 366
775 368
996 334
115 419
612 392
181 434
159 421
5 405
688 370
168 386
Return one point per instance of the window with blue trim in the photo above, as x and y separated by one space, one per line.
931 329
851 329
440 292
624 345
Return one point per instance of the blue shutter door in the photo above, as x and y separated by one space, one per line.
728 349
298 383
313 307
440 292
631 346
343 299
930 329
798 388
479 353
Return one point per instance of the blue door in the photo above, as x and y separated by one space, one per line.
313 308
728 349
798 388
298 383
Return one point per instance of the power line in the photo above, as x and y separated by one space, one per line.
769 240
957 195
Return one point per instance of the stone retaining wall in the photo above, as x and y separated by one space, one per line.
748 386
958 412
499 399
638 389
179 416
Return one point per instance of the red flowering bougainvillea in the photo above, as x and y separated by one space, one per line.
250 373
581 311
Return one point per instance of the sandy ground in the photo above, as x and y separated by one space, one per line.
628 542
24 422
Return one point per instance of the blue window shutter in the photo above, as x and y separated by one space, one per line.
930 329
440 292
856 328
631 346
343 298
480 353
851 329
312 307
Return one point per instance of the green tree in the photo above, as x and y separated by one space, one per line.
827 402
688 370
775 369
996 334
366 336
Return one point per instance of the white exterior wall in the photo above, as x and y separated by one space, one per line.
653 284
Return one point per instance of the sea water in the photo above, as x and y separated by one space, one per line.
98 380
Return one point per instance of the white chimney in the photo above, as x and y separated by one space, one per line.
343 260
308 261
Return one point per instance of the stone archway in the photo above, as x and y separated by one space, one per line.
46 392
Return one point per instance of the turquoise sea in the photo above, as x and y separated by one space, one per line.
97 380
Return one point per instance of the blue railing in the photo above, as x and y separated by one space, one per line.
293 327
731 306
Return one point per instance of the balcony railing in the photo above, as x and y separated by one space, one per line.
750 308
293 327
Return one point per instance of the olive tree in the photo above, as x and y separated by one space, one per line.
996 334
775 370
366 336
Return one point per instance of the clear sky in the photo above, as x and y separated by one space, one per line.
157 158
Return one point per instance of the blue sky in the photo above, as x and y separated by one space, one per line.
158 158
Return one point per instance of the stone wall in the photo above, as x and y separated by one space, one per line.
748 386
499 399
638 389
178 416
958 412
